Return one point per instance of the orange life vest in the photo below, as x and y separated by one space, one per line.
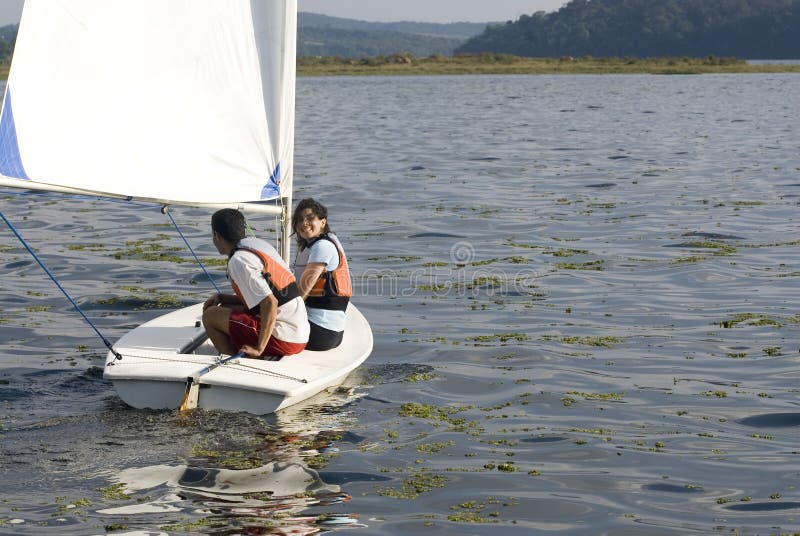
333 289
280 280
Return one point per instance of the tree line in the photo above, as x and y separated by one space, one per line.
649 28
315 41
8 36
321 35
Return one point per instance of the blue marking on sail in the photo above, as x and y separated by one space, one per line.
10 160
271 190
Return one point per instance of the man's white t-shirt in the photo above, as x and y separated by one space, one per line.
246 269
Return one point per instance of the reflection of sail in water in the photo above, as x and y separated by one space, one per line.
273 494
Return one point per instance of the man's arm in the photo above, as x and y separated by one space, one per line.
268 309
222 299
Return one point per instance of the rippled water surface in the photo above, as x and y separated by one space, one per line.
585 301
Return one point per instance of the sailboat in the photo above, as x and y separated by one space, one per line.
179 103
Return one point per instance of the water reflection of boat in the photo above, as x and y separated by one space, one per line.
275 479
273 496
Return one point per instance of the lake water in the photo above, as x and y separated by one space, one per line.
585 301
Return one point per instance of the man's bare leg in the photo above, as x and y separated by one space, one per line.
215 320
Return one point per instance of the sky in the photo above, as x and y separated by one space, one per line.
390 10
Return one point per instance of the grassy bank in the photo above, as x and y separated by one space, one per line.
505 64
406 64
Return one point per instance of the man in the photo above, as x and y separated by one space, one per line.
266 317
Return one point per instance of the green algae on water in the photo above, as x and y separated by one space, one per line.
502 337
750 319
431 412
419 377
514 259
718 394
114 492
598 396
719 249
413 486
150 250
597 265
145 298
566 252
602 341
87 247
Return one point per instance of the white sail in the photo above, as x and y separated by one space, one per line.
190 101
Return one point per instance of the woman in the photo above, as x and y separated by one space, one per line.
322 275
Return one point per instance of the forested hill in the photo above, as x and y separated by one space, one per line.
321 35
315 41
645 28
461 30
8 34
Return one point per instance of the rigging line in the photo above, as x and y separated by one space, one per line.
238 365
278 237
269 372
166 211
108 345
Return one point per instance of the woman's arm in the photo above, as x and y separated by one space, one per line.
310 275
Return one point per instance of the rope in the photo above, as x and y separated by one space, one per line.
241 365
166 211
108 345
269 373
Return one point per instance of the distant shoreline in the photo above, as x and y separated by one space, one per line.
489 63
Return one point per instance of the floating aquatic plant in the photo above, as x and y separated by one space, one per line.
602 341
150 250
751 319
737 355
566 252
114 492
432 448
597 396
145 298
87 247
502 337
474 511
687 260
597 265
513 244
431 412
404 258
419 377
719 248
414 485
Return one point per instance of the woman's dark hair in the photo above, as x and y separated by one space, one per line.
317 208
230 224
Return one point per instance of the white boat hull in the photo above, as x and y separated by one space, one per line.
153 370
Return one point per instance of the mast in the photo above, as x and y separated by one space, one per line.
286 229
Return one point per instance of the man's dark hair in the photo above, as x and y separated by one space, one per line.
230 224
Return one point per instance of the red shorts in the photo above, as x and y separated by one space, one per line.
243 328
